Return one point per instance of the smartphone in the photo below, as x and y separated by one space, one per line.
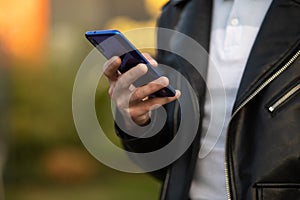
113 43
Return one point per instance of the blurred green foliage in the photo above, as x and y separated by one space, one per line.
46 157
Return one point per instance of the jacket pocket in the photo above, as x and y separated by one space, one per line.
277 191
285 96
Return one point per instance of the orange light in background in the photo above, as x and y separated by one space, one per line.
154 6
24 27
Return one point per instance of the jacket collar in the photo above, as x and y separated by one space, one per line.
278 33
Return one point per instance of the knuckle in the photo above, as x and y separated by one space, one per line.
121 82
121 104
136 95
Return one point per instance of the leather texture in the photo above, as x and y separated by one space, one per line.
262 147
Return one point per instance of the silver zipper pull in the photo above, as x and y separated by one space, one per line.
282 99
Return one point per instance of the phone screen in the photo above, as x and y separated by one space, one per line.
112 43
116 46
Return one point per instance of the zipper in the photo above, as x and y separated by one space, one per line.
250 97
282 99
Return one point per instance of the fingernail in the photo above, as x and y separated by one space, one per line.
178 93
143 67
164 81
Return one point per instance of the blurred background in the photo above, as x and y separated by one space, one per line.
42 45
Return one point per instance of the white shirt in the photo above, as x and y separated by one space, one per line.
235 26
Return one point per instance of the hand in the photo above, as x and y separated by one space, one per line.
134 101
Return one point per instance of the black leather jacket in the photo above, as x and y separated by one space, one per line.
263 137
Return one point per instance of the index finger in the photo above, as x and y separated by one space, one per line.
111 68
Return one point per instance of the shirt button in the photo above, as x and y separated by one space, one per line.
234 21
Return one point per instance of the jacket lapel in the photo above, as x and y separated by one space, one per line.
194 21
279 31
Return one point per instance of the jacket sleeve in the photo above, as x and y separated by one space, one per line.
147 144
